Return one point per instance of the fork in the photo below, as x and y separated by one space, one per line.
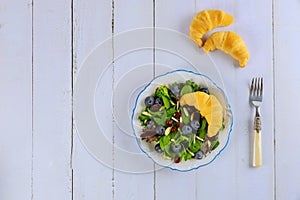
256 96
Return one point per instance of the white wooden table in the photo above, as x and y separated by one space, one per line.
42 47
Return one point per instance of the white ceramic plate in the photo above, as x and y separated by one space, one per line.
182 76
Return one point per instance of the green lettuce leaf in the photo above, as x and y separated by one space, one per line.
194 147
202 130
159 117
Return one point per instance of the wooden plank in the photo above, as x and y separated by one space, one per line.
234 183
130 15
16 99
175 16
231 174
286 45
52 100
91 26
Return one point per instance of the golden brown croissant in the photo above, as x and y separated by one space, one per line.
230 43
207 20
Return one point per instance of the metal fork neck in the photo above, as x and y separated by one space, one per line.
257 111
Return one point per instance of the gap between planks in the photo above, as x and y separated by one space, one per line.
274 97
113 94
32 98
73 64
154 72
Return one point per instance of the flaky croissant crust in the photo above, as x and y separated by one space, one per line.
229 42
207 20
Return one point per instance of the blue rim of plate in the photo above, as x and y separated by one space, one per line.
137 138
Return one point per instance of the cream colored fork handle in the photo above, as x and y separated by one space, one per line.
257 151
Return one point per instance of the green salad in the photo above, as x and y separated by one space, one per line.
179 132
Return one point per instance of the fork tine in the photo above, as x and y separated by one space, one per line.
252 87
259 89
260 86
256 87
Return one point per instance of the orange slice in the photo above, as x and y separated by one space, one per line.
209 107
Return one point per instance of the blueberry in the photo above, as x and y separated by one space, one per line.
204 90
199 155
149 101
150 123
158 101
176 148
175 89
158 149
195 125
186 130
160 130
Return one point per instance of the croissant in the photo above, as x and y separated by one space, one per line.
229 42
207 20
